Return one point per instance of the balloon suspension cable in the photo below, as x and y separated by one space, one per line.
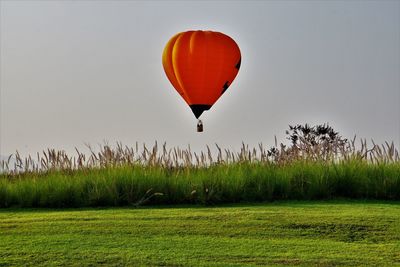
199 126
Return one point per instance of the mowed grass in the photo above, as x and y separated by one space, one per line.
315 233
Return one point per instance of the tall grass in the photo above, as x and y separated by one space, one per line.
117 176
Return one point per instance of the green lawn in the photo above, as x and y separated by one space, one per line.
283 233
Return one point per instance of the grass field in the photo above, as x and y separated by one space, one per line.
281 233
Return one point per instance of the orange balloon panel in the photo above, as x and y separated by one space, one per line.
201 65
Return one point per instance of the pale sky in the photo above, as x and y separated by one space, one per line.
76 72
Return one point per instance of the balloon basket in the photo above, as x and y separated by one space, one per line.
199 126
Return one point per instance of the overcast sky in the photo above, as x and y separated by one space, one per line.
75 72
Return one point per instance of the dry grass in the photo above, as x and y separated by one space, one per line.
165 157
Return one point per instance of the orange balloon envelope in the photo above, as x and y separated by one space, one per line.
201 65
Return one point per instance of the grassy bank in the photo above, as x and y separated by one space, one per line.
283 233
221 183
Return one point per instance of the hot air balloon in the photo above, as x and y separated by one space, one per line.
201 65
